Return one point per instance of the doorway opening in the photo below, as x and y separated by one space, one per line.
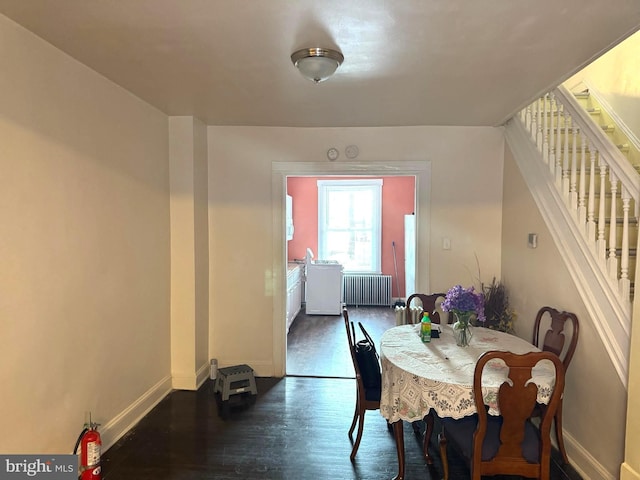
315 345
352 223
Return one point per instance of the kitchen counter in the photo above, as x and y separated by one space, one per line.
295 273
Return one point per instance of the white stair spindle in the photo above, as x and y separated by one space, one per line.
545 141
539 124
532 120
591 200
601 244
558 166
625 283
582 211
612 260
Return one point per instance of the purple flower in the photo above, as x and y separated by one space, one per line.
460 300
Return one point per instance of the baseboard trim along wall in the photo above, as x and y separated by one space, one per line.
585 463
191 381
122 423
203 374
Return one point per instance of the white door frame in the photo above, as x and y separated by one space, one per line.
279 173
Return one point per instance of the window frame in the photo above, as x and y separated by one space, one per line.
325 187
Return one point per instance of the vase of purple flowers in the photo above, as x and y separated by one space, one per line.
466 304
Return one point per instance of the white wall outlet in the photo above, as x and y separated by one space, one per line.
446 243
533 240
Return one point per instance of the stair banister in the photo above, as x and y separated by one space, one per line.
569 206
619 170
623 170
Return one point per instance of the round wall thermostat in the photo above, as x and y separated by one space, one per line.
333 154
351 151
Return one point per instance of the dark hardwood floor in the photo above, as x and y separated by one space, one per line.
329 357
295 428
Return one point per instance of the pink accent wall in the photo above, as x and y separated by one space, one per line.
398 200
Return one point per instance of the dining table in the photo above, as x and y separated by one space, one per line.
418 378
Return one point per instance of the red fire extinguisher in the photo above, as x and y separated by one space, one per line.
90 447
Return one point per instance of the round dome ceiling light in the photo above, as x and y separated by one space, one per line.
317 64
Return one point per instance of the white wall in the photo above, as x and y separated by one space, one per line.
465 205
189 252
84 249
594 398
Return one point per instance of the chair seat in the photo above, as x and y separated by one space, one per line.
461 433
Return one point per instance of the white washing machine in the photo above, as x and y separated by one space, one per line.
323 289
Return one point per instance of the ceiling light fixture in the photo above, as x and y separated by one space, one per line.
317 64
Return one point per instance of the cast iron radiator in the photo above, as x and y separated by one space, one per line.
367 290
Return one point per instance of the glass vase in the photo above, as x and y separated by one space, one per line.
462 329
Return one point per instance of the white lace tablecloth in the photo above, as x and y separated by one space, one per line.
417 377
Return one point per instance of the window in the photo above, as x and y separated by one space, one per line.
349 222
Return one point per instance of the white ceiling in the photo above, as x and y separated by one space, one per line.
407 62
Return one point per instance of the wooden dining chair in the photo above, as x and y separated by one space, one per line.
366 398
428 304
508 444
553 340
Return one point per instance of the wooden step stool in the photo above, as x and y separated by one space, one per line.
236 379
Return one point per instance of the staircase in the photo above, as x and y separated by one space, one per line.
599 113
618 137
573 160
